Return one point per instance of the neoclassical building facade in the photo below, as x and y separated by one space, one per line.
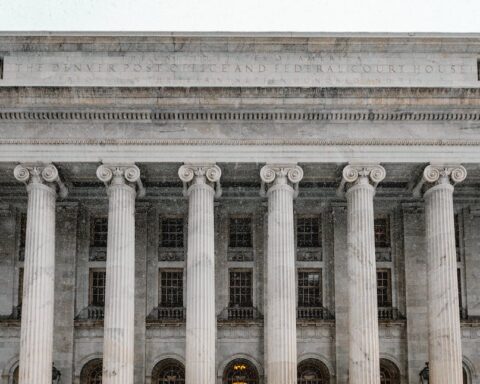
239 208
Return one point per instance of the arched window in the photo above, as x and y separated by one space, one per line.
313 371
240 371
92 372
168 371
15 376
389 373
466 375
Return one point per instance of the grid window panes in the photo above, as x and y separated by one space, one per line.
171 232
241 288
99 232
23 229
308 232
97 287
240 232
382 232
384 287
309 288
20 286
171 288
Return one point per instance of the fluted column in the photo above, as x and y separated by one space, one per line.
445 344
281 182
364 359
118 343
199 185
36 334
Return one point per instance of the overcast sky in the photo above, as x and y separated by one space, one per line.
242 15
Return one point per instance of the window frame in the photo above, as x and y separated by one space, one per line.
160 287
231 304
91 273
161 231
321 288
389 287
317 217
229 232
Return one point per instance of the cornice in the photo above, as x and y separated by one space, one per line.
114 94
233 115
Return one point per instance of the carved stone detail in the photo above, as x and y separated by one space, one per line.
435 174
114 174
208 174
280 174
354 174
46 174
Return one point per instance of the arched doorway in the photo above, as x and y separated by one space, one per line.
313 371
92 372
389 372
168 371
240 371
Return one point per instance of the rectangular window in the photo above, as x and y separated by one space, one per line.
1 68
384 287
309 288
97 287
171 232
241 289
240 232
478 69
308 232
99 232
459 282
171 288
20 286
382 232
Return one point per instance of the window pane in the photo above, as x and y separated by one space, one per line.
308 232
382 234
171 289
97 288
240 232
241 289
309 289
99 232
384 288
171 232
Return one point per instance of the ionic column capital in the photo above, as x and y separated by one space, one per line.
41 174
440 174
200 174
356 174
280 174
121 174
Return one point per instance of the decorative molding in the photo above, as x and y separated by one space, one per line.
246 142
434 174
276 174
41 174
208 174
225 115
353 174
115 174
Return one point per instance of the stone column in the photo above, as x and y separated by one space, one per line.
36 335
445 344
199 185
364 359
119 322
281 182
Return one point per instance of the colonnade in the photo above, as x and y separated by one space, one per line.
201 185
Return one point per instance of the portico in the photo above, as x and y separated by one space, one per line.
259 226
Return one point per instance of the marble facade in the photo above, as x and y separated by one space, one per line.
119 133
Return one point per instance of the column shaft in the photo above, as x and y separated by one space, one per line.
36 340
201 321
281 306
118 349
445 348
363 313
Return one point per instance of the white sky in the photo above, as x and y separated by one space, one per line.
242 15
